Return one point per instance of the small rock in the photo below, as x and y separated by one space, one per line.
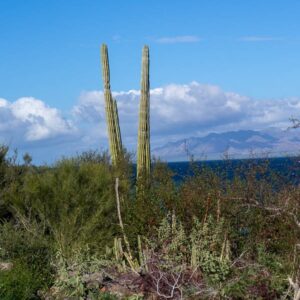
6 266
93 280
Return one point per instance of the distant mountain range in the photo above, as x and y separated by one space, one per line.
237 144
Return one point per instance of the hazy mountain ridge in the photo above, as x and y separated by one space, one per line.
237 144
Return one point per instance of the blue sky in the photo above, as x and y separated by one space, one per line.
49 51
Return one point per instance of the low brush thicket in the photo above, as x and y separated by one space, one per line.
212 236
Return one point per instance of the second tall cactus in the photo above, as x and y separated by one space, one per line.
143 148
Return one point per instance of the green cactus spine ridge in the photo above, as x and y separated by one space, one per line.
117 126
143 150
112 119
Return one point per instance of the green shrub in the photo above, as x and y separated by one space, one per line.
73 202
30 252
105 296
72 273
210 248
20 283
206 247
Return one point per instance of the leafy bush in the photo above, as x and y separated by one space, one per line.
210 248
20 283
73 274
30 252
73 202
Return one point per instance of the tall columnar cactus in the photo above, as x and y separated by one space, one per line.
143 150
112 119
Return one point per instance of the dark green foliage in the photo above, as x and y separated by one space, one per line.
27 244
106 296
71 201
30 252
159 197
20 283
244 241
74 202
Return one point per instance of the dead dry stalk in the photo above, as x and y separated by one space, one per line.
120 218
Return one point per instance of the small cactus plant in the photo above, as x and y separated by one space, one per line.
143 149
112 119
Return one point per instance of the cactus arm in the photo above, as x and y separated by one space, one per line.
117 127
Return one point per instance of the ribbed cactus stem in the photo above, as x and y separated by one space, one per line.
105 68
143 150
111 110
117 127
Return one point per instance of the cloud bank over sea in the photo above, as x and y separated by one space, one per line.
177 111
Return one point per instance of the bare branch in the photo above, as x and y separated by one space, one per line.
121 221
296 288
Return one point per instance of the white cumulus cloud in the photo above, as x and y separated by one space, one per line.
29 119
41 121
177 111
194 109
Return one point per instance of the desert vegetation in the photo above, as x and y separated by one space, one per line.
205 238
90 227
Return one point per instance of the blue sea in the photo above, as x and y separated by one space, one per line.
284 169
